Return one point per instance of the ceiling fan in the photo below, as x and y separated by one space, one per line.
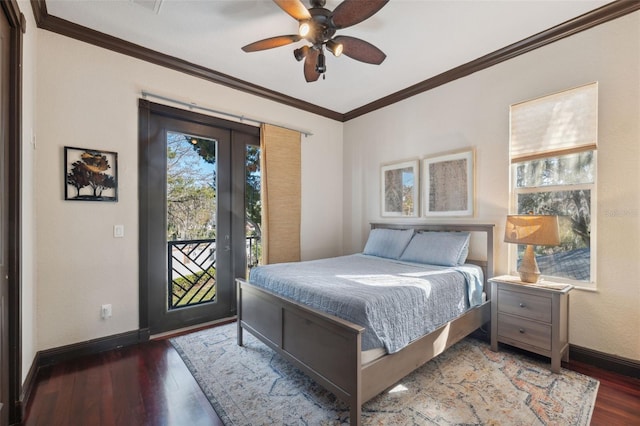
318 26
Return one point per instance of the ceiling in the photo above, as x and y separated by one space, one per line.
421 38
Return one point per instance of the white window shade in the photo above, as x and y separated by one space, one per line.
556 124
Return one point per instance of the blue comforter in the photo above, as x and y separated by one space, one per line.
397 302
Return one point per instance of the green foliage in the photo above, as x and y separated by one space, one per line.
559 186
191 188
205 148
573 207
191 194
191 290
253 206
568 169
192 191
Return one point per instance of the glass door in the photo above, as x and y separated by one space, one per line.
192 219
192 226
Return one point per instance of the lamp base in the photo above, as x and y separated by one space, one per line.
529 277
528 270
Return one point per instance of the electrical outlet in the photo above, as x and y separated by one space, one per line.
105 311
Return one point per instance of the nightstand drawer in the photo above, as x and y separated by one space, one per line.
525 305
525 331
531 316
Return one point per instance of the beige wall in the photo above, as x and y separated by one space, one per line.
474 112
80 95
28 254
87 97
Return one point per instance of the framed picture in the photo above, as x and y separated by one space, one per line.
448 184
399 189
90 175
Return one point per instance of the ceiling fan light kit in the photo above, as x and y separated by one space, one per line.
318 26
301 53
335 47
304 29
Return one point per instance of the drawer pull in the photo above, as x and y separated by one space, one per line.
522 305
521 331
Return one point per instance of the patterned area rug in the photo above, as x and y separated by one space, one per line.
468 384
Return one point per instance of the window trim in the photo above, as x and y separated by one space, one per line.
512 254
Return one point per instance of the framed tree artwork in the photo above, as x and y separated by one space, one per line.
449 184
90 175
399 189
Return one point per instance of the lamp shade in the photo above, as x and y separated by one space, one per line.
539 230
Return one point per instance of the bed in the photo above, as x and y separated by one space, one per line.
354 356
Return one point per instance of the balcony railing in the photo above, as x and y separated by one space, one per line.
192 270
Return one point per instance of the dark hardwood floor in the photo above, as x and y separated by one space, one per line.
145 384
618 400
148 384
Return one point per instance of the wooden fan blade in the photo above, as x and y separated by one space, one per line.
351 12
360 50
294 8
270 43
310 73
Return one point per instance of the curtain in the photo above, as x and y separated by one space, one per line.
281 194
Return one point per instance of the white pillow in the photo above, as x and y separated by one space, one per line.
389 243
438 248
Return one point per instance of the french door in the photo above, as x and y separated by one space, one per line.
192 216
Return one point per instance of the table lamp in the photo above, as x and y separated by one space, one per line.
530 229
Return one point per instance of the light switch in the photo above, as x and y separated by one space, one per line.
118 231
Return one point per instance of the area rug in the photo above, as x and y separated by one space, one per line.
468 384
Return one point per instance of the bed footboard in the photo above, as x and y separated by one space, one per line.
328 348
388 370
325 347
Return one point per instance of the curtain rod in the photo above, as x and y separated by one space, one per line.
241 118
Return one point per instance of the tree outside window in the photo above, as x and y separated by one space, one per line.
563 186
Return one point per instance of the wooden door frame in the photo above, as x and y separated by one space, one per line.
17 22
241 135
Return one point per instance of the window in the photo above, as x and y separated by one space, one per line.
562 186
553 171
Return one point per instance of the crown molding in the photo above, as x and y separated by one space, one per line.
584 22
88 35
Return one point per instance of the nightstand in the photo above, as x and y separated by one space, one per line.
531 316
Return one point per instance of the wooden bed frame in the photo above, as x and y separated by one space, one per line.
328 348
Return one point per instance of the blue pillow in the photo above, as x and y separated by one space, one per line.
389 243
438 248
